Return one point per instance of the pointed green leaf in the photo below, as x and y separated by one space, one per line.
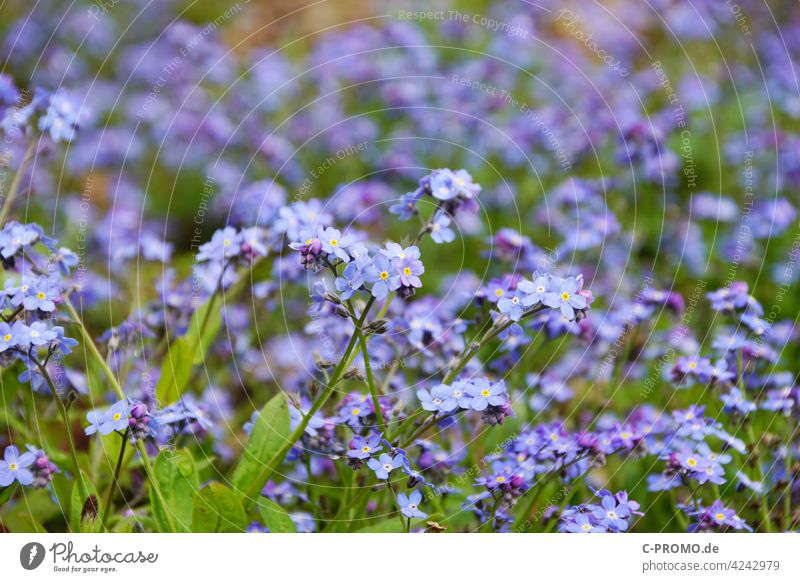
271 429
275 517
177 478
217 509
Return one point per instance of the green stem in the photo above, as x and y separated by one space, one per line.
376 403
65 418
115 479
95 351
13 189
762 500
787 495
297 433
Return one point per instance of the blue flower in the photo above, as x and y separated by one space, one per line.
440 229
409 505
15 467
534 292
382 277
65 259
440 399
511 306
352 280
446 184
564 295
735 401
9 336
407 207
611 515
61 118
385 464
334 243
108 421
224 244
41 297
14 237
38 334
580 523
485 393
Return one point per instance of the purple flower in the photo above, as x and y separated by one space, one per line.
409 505
408 267
385 464
16 467
361 448
564 295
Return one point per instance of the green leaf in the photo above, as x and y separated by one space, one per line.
85 511
275 517
176 475
198 338
7 492
176 370
217 509
385 526
188 351
271 429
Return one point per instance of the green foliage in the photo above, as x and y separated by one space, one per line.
217 509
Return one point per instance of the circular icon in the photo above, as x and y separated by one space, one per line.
31 555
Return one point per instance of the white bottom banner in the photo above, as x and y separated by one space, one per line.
137 557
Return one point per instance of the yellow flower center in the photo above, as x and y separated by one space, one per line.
116 416
384 275
13 466
365 449
501 479
334 242
485 392
499 292
7 337
308 241
356 411
40 295
720 516
565 296
406 271
691 462
226 242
